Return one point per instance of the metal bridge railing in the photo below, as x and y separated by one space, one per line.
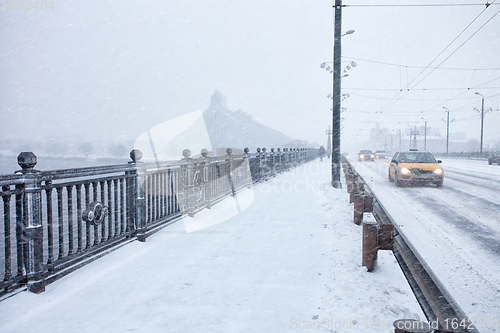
53 222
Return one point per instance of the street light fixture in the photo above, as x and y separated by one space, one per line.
348 32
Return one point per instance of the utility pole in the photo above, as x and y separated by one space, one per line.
447 127
425 136
482 118
447 130
337 49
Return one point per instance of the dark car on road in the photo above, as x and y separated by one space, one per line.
495 158
366 155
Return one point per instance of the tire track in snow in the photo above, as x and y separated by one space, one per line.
482 234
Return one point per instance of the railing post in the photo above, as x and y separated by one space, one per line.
258 155
188 184
7 231
230 160
273 163
32 236
354 188
249 161
370 245
138 197
264 164
358 208
278 157
285 157
206 178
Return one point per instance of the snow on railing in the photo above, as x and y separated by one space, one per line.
53 222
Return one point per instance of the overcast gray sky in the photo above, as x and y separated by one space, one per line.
113 69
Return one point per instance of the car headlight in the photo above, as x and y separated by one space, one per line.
372 156
362 156
438 171
385 156
405 171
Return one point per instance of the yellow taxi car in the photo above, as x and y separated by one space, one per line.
415 167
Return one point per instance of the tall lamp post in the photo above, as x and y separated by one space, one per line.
482 118
337 57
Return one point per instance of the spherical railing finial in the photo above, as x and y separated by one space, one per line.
258 150
279 150
264 150
229 151
186 153
272 150
246 150
27 160
204 152
135 155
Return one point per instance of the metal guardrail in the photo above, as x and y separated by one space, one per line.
53 222
436 302
466 154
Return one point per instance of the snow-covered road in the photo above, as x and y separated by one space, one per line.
288 263
455 228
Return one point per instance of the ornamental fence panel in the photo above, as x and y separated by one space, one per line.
54 222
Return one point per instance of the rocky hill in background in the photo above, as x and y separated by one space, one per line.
238 129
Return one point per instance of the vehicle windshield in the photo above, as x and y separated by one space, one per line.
416 158
380 151
366 152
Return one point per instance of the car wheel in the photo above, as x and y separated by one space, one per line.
490 163
439 183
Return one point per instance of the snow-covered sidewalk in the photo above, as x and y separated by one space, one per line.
290 262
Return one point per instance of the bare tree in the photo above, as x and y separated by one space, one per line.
86 148
117 150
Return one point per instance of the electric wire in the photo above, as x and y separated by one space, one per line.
410 66
448 46
424 5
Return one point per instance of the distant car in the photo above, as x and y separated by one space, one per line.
366 155
380 154
495 158
415 167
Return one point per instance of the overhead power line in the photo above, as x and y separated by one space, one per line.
412 99
458 48
396 98
423 89
426 5
410 66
